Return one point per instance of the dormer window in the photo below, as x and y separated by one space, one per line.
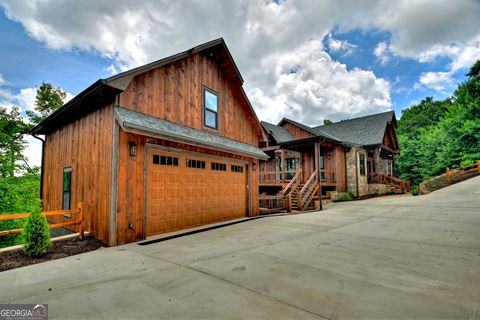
210 109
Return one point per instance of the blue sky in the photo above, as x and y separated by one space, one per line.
306 60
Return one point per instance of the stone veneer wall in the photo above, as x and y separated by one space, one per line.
382 166
352 158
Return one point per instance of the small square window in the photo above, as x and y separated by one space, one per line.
156 159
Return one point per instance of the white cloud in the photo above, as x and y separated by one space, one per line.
382 52
310 86
342 46
261 35
439 81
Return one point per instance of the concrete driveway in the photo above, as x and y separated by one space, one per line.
388 258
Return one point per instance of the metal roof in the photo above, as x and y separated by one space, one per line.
140 123
368 130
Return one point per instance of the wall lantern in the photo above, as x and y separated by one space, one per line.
254 166
133 149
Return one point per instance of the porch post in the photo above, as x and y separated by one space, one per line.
317 166
283 165
376 159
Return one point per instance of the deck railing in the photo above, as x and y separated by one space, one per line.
390 180
277 176
78 212
327 175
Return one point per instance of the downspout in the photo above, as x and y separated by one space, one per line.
41 168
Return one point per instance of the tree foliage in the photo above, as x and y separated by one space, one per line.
12 143
17 195
48 99
434 135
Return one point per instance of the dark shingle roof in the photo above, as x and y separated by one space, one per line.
368 130
280 134
141 123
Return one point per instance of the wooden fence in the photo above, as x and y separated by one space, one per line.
78 211
451 176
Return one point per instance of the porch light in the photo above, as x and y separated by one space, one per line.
133 149
254 166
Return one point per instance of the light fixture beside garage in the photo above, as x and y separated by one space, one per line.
133 149
254 166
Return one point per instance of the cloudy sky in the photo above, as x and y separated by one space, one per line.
308 60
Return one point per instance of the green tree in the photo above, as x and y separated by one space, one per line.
434 135
48 99
327 121
12 143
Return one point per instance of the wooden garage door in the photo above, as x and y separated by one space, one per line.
189 190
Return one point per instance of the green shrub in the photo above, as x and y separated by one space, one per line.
415 190
36 234
347 196
390 192
374 194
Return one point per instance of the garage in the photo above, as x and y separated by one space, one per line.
188 189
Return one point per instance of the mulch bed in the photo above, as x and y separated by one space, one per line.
59 249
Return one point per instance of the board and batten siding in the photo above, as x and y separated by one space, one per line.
85 146
174 93
296 132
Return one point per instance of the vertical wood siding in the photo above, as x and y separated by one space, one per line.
174 93
84 145
297 132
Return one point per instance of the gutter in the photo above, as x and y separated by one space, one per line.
43 163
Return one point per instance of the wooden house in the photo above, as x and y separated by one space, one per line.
167 146
356 155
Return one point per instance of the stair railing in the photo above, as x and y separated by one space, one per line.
307 190
293 183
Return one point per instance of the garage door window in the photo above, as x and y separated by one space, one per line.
165 160
235 168
198 164
219 166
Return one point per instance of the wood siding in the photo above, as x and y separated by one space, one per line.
85 146
174 93
296 132
131 183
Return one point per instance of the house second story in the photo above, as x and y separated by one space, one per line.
200 88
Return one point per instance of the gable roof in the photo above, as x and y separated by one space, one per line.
368 130
314 132
104 90
140 123
280 134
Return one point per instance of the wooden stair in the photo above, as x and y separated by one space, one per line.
294 200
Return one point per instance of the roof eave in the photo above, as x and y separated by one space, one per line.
77 100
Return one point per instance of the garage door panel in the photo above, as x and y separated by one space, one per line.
183 191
